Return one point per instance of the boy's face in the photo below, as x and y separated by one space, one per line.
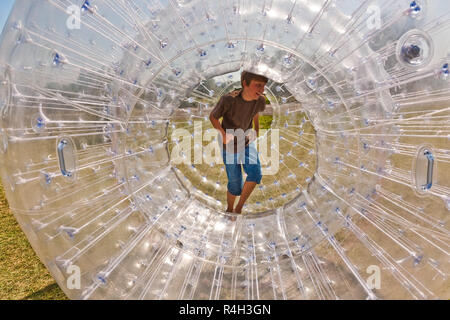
255 89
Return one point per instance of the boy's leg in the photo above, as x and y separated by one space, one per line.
246 192
252 168
234 175
230 201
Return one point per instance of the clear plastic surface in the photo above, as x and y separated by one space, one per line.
94 93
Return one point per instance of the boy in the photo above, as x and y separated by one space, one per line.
239 109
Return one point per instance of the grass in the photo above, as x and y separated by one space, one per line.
265 122
22 275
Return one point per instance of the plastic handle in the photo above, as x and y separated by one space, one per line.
430 158
62 144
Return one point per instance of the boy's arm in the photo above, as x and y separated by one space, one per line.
216 124
252 136
256 123
218 111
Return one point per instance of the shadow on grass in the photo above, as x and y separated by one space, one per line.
50 292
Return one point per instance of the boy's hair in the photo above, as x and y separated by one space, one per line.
248 77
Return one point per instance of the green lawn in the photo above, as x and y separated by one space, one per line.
265 122
22 275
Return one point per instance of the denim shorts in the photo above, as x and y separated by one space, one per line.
233 165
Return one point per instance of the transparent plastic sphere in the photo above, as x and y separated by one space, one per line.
111 165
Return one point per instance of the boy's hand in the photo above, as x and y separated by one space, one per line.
235 93
227 137
252 136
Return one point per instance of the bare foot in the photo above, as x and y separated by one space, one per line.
230 217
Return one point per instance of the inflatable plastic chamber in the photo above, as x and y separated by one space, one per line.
106 148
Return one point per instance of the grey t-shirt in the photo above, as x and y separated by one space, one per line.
237 113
